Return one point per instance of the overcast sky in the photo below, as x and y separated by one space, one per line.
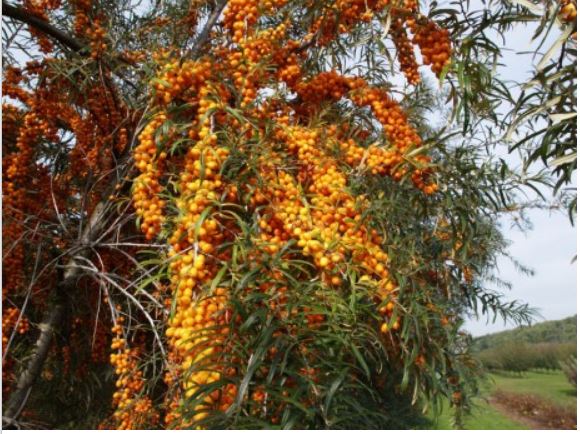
548 249
552 243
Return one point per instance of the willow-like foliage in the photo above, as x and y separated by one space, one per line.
93 110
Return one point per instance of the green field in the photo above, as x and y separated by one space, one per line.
552 387
484 416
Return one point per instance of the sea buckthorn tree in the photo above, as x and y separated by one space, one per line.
248 213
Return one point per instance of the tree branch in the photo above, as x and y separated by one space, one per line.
52 319
20 14
81 249
72 271
202 38
29 376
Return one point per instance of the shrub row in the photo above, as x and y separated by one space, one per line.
522 357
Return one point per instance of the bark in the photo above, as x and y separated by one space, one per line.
29 376
52 320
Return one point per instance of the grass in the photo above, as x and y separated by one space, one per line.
550 386
483 416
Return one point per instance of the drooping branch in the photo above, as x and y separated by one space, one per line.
20 14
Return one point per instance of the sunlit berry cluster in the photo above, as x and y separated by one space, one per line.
195 261
181 81
342 16
403 137
433 41
324 86
132 410
405 52
296 188
149 161
332 230
240 17
194 336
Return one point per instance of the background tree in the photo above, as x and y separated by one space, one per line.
247 205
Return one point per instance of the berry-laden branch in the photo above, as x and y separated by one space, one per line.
22 15
300 246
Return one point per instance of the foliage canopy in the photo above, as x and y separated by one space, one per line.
244 214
